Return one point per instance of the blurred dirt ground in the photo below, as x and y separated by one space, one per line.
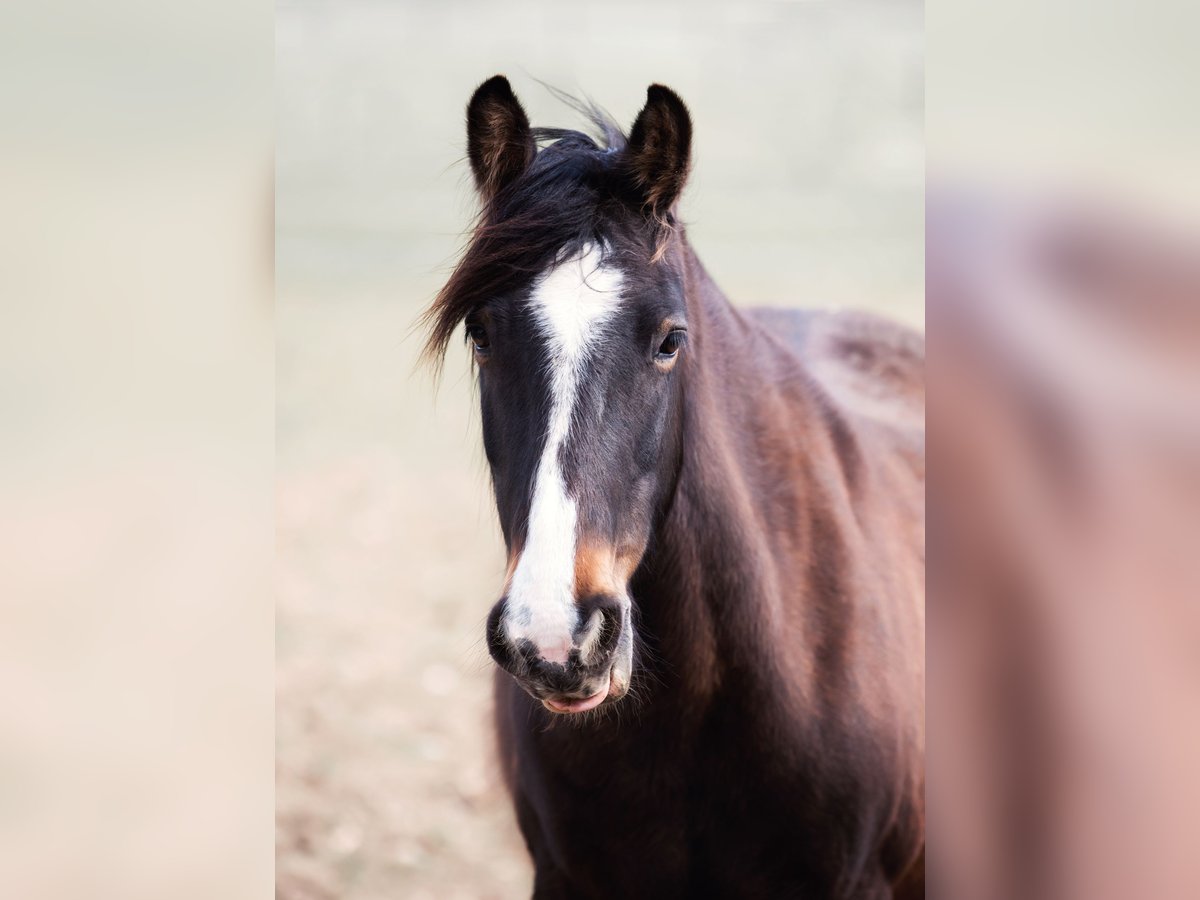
808 190
386 557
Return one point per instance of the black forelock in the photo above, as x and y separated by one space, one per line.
572 195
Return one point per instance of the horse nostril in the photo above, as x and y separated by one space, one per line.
507 656
600 633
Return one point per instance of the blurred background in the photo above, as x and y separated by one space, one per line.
807 190
1063 291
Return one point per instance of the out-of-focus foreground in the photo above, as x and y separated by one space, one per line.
807 190
1064 679
1064 451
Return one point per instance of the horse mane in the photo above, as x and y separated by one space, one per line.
552 211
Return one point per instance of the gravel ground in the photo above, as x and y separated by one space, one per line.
807 190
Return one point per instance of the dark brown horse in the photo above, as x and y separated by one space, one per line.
711 630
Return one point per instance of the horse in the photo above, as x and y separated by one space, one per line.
710 635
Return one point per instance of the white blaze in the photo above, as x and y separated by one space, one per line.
570 303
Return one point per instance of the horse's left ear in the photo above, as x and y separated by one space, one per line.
659 150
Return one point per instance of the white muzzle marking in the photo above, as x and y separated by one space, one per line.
571 304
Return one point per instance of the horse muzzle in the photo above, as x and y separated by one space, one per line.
583 670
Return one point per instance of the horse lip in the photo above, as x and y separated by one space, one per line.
571 705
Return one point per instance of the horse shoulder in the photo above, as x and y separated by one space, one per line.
872 371
871 367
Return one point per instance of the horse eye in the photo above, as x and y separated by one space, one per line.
479 337
670 345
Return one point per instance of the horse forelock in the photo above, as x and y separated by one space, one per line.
569 200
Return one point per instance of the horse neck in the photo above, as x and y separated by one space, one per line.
752 412
717 557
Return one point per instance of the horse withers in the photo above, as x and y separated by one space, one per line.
710 635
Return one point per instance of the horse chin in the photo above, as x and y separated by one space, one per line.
612 690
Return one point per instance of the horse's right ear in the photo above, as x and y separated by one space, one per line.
500 142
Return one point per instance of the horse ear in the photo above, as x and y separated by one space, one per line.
500 142
659 150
